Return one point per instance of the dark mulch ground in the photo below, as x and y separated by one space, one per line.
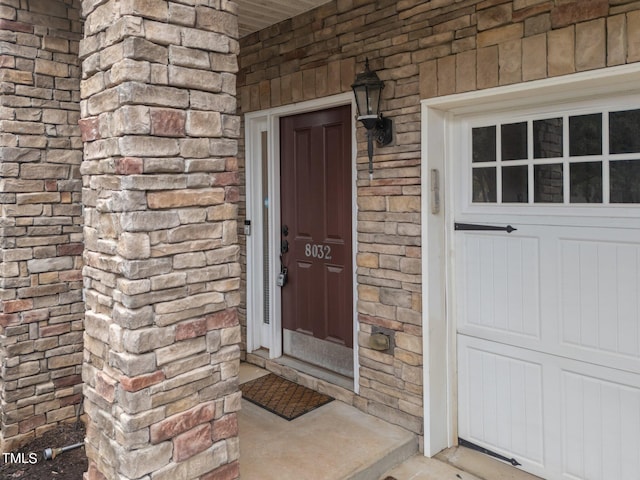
66 466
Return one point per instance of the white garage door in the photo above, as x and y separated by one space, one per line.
548 315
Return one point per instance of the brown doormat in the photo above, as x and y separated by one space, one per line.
282 397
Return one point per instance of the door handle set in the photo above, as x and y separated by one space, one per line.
283 276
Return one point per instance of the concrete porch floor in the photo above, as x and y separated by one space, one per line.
339 442
333 442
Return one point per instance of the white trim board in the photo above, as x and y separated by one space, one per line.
270 336
438 117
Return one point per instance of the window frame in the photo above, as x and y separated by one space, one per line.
564 111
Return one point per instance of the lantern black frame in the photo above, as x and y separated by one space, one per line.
367 88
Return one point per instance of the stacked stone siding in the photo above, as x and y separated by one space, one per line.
160 183
162 274
41 317
421 50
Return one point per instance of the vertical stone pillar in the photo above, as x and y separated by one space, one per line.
161 249
41 309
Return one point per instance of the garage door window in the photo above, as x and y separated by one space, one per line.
591 158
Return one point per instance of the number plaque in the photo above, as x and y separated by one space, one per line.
314 250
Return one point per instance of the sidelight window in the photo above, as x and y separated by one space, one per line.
590 158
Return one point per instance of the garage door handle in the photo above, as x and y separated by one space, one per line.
493 228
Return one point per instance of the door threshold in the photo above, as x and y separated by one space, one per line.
320 353
311 376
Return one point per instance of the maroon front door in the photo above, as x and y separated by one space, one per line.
315 186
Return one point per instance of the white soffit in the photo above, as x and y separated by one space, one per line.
254 15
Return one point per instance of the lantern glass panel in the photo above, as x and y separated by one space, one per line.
374 101
361 99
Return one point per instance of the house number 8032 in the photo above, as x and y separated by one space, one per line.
323 252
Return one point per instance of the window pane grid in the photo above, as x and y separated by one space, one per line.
550 160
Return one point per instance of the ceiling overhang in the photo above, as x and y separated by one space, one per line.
254 15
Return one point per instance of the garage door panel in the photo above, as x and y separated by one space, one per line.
564 403
571 292
600 294
501 283
532 406
629 301
508 393
546 286
601 425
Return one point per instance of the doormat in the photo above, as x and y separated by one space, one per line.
282 397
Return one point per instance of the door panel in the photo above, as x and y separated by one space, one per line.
316 207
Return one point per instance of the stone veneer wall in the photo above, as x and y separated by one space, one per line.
41 317
162 273
421 50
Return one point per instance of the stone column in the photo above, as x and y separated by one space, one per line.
41 309
161 249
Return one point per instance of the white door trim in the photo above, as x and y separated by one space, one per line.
257 331
269 121
438 116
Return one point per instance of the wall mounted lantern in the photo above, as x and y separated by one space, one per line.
368 89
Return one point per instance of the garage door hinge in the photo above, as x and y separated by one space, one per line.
473 226
464 443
